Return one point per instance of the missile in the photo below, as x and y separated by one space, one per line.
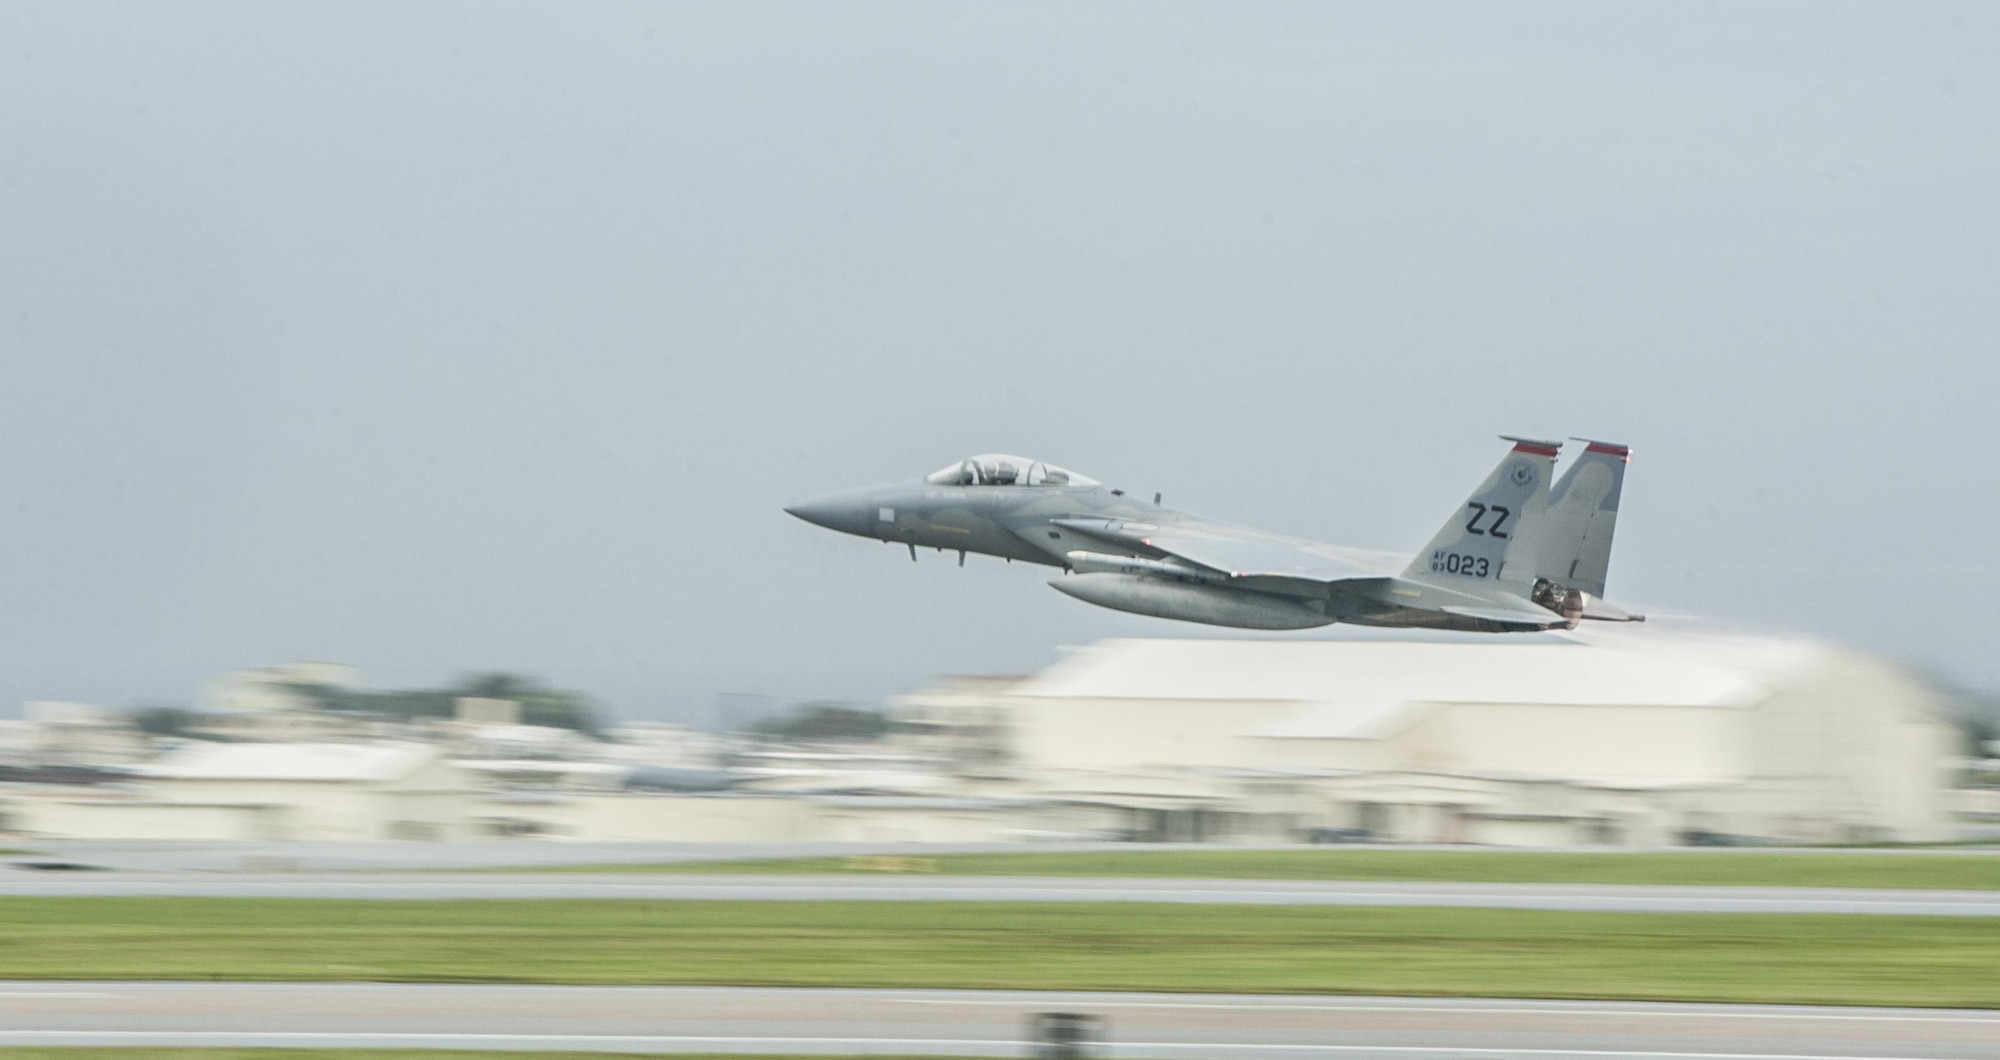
1161 597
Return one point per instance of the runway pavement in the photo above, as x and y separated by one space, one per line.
386 856
968 1023
907 888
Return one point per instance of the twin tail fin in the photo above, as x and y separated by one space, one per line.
1520 535
1492 540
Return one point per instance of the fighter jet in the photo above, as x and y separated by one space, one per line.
1523 553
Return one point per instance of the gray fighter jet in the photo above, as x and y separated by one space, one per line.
1519 555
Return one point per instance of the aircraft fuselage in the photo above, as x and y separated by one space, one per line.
1507 562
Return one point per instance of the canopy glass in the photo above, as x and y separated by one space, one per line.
999 469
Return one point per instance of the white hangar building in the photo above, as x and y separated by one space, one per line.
1628 736
313 792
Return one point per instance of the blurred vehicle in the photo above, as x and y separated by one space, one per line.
1339 835
1702 837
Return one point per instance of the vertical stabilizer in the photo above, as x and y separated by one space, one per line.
1582 514
1492 540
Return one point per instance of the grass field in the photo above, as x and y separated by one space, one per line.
1418 951
1970 871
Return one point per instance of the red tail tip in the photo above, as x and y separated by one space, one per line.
1533 446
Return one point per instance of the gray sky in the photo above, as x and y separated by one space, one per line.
452 336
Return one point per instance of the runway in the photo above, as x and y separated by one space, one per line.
966 1023
470 855
915 888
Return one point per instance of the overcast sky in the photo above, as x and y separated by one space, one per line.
442 337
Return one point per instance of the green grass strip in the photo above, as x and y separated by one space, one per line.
1970 871
1087 946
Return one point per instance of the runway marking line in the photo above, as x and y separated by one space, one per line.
1009 1043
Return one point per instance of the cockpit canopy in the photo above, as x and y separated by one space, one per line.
999 469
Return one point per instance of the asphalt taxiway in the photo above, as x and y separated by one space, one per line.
967 1023
921 888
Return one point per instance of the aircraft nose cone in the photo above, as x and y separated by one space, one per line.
844 512
818 514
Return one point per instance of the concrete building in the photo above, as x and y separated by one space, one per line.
653 743
269 704
267 689
759 817
964 722
55 733
1625 736
314 792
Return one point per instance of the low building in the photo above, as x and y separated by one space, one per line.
269 689
769 818
268 791
652 743
55 733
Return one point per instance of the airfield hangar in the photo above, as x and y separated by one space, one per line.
1639 737
267 791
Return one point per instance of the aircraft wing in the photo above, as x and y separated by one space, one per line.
1265 561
